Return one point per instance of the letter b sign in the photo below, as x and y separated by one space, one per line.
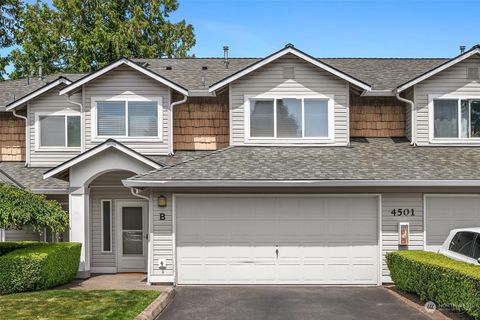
162 216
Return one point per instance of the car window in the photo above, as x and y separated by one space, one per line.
462 243
476 248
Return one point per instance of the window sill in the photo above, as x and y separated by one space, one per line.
455 141
288 141
57 149
126 139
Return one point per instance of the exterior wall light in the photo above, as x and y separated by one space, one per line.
162 201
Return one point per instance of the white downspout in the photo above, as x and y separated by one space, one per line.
27 147
412 111
136 193
170 131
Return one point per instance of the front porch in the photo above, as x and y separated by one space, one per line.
119 281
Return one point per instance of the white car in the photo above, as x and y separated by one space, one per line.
463 245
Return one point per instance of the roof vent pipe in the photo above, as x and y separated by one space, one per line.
462 49
225 56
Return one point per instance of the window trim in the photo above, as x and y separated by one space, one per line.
111 226
65 113
126 98
303 140
431 124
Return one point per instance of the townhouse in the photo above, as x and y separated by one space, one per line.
287 169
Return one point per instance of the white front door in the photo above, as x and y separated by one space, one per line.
131 235
277 239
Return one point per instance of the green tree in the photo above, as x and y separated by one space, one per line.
81 36
9 10
19 207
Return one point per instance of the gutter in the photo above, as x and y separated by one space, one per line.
412 111
136 193
300 183
27 146
173 104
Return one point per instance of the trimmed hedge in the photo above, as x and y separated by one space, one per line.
6 247
39 266
437 278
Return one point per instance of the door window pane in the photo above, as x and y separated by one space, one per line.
132 234
52 131
261 118
142 119
111 119
462 243
73 131
107 225
445 118
316 118
289 118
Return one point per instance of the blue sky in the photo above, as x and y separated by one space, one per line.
353 28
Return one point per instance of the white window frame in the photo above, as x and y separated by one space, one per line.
431 124
111 226
304 140
65 113
127 98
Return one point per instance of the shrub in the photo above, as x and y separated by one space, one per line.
438 278
6 247
20 207
38 267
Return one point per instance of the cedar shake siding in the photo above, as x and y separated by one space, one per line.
377 117
12 137
201 123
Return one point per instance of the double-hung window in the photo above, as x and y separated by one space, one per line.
289 119
456 119
58 130
131 119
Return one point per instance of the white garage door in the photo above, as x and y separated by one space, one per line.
446 212
277 240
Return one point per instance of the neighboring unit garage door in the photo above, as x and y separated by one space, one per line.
447 212
277 239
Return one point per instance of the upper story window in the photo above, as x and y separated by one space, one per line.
129 118
456 119
58 131
289 119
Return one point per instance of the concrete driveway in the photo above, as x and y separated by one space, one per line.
265 302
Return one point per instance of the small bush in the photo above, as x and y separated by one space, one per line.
437 278
39 266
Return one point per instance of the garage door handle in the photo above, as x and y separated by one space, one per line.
276 252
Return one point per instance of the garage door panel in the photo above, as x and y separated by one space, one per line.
320 240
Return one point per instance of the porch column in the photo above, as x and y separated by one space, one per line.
79 226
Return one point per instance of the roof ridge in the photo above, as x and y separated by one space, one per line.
164 167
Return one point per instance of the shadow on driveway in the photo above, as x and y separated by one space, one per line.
265 302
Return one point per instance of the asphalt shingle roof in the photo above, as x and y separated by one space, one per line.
381 74
31 178
11 90
366 159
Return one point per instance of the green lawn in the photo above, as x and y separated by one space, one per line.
75 304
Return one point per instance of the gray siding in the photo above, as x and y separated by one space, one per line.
127 81
163 239
49 102
99 192
452 81
390 223
308 80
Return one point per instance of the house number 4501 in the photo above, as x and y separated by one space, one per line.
403 212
